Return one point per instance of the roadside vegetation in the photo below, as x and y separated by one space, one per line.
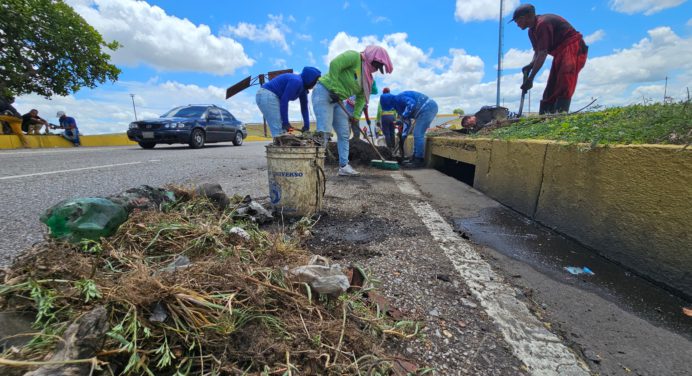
230 309
637 124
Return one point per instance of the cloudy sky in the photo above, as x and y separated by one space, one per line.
179 52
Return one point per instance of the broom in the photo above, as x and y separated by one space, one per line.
381 163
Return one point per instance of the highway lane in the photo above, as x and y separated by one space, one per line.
33 180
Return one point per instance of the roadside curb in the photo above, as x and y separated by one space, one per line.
57 141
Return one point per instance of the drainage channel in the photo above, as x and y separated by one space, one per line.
521 238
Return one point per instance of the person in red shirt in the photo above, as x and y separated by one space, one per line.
552 35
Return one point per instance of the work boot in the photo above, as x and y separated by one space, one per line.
546 108
562 105
414 163
348 171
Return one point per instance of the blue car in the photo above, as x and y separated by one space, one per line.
194 125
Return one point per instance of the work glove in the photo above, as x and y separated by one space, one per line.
527 85
333 97
526 70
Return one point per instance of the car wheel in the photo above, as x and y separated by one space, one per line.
197 138
238 139
147 145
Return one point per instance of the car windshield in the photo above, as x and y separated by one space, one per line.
185 112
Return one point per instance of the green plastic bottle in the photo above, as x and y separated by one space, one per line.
84 218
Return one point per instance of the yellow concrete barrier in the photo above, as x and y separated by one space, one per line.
57 141
629 202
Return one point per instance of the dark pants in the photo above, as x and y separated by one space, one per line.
387 124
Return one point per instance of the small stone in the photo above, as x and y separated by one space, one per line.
434 312
447 333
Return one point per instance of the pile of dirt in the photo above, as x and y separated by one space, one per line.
360 153
195 289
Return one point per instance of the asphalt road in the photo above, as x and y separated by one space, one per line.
33 180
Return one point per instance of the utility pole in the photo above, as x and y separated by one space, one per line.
133 105
499 56
665 91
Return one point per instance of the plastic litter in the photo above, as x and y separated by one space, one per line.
240 233
84 218
321 277
160 314
577 271
143 197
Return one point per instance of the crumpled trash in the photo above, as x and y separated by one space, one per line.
84 218
321 277
214 193
577 271
180 262
239 232
143 197
249 208
160 314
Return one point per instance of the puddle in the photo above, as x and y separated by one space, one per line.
549 252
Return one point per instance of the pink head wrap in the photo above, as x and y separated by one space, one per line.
370 54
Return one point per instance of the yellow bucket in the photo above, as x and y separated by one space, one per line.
296 179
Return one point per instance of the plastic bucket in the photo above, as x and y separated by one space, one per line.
296 179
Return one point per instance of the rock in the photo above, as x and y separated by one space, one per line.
82 340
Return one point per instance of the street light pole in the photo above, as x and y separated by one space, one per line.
133 105
499 56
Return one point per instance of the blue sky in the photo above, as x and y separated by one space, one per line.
180 52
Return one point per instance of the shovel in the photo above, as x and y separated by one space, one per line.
523 94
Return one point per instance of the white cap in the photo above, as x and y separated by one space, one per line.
60 114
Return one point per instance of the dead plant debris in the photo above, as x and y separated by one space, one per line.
186 295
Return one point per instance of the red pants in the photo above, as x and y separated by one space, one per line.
568 60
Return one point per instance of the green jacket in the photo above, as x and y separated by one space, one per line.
343 79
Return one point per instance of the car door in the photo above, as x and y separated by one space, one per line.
214 125
230 125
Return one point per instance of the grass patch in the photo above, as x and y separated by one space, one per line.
636 124
232 310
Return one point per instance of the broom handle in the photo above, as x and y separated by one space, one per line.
361 131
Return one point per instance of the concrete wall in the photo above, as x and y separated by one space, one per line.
631 203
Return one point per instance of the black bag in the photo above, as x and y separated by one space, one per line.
489 113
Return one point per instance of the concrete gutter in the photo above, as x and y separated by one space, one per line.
57 141
631 203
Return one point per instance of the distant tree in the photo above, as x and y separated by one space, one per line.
458 111
48 49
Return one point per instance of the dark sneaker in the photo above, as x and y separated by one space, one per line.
414 163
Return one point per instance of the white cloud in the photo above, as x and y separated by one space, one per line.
280 63
346 5
516 58
304 37
595 36
273 31
447 77
648 7
662 54
482 10
689 22
380 19
150 36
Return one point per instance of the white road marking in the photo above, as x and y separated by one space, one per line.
540 350
71 170
58 151
405 186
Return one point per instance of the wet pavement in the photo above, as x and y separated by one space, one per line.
549 252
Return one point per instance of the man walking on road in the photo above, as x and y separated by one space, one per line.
551 34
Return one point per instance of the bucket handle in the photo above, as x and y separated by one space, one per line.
320 183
